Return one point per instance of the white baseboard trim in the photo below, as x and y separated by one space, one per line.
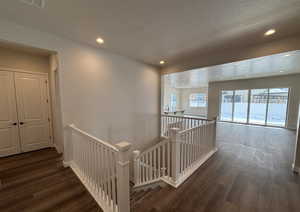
151 184
66 164
147 184
296 169
190 171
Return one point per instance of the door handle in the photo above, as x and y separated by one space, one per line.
14 124
21 123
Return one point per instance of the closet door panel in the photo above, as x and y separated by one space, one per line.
9 133
33 111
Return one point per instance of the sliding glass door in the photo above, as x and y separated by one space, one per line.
240 112
277 109
227 106
256 106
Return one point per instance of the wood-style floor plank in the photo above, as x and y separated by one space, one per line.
250 172
37 181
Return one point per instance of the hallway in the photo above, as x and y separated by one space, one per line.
37 181
250 172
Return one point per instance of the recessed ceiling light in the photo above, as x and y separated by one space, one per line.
270 32
162 62
287 55
281 71
100 40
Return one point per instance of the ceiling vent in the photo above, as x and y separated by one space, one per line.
35 3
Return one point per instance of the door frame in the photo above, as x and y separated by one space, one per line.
51 96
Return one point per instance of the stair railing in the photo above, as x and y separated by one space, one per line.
182 122
153 164
181 153
190 149
103 168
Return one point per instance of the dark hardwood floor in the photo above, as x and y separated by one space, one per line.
37 181
250 172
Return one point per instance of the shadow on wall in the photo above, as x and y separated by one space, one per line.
142 132
140 129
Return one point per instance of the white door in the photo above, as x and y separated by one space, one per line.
9 131
33 111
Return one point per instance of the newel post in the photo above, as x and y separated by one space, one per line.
136 159
123 193
68 146
175 154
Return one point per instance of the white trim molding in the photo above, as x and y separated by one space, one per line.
191 170
22 71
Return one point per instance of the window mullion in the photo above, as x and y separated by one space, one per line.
233 104
249 103
267 108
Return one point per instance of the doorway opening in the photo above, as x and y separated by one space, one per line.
28 100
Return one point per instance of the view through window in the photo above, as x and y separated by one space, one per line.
255 106
173 102
197 100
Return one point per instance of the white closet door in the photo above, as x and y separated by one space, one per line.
9 131
33 111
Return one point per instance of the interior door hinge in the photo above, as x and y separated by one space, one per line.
49 119
47 100
46 81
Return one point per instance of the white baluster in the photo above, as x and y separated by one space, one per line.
159 161
169 158
150 164
136 164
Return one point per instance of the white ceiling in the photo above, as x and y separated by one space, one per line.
151 30
273 65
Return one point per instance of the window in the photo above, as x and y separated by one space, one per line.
198 100
173 102
227 105
240 106
256 106
277 108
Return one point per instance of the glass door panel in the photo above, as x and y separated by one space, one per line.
240 106
277 108
258 106
226 105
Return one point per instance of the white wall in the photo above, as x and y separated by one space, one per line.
287 81
107 95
